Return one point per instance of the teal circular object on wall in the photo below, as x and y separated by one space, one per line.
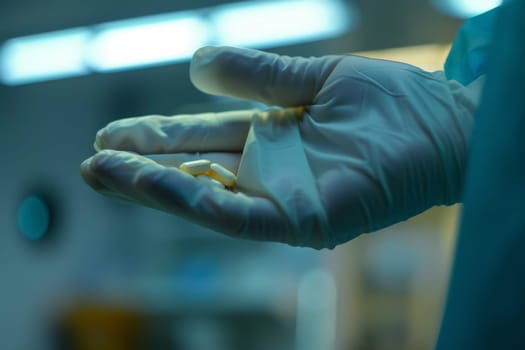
33 217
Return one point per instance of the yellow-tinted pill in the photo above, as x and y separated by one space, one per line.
220 173
208 180
196 167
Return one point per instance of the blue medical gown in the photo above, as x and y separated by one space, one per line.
468 57
485 307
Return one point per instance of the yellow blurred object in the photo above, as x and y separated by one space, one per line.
428 57
101 327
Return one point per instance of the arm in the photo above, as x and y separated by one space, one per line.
485 308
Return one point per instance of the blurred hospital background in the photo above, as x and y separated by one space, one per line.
79 271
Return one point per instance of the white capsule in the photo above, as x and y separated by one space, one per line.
220 173
195 167
208 180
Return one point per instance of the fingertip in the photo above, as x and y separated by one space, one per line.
212 67
117 134
98 145
100 160
204 52
201 69
88 176
84 166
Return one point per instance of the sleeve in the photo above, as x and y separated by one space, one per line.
467 60
485 307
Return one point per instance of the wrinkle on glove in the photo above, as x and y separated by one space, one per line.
274 165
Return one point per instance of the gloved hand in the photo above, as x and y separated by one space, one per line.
378 142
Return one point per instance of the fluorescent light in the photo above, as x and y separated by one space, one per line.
274 23
146 41
466 8
43 57
168 38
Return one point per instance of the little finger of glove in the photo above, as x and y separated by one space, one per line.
166 188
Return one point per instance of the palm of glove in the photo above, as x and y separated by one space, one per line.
378 143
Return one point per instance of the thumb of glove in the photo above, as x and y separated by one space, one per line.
259 76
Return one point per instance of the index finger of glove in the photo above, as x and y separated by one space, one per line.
220 132
144 181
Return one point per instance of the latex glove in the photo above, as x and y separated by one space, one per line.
379 142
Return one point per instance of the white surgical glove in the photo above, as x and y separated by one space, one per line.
378 142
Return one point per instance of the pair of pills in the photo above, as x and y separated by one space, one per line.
213 174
